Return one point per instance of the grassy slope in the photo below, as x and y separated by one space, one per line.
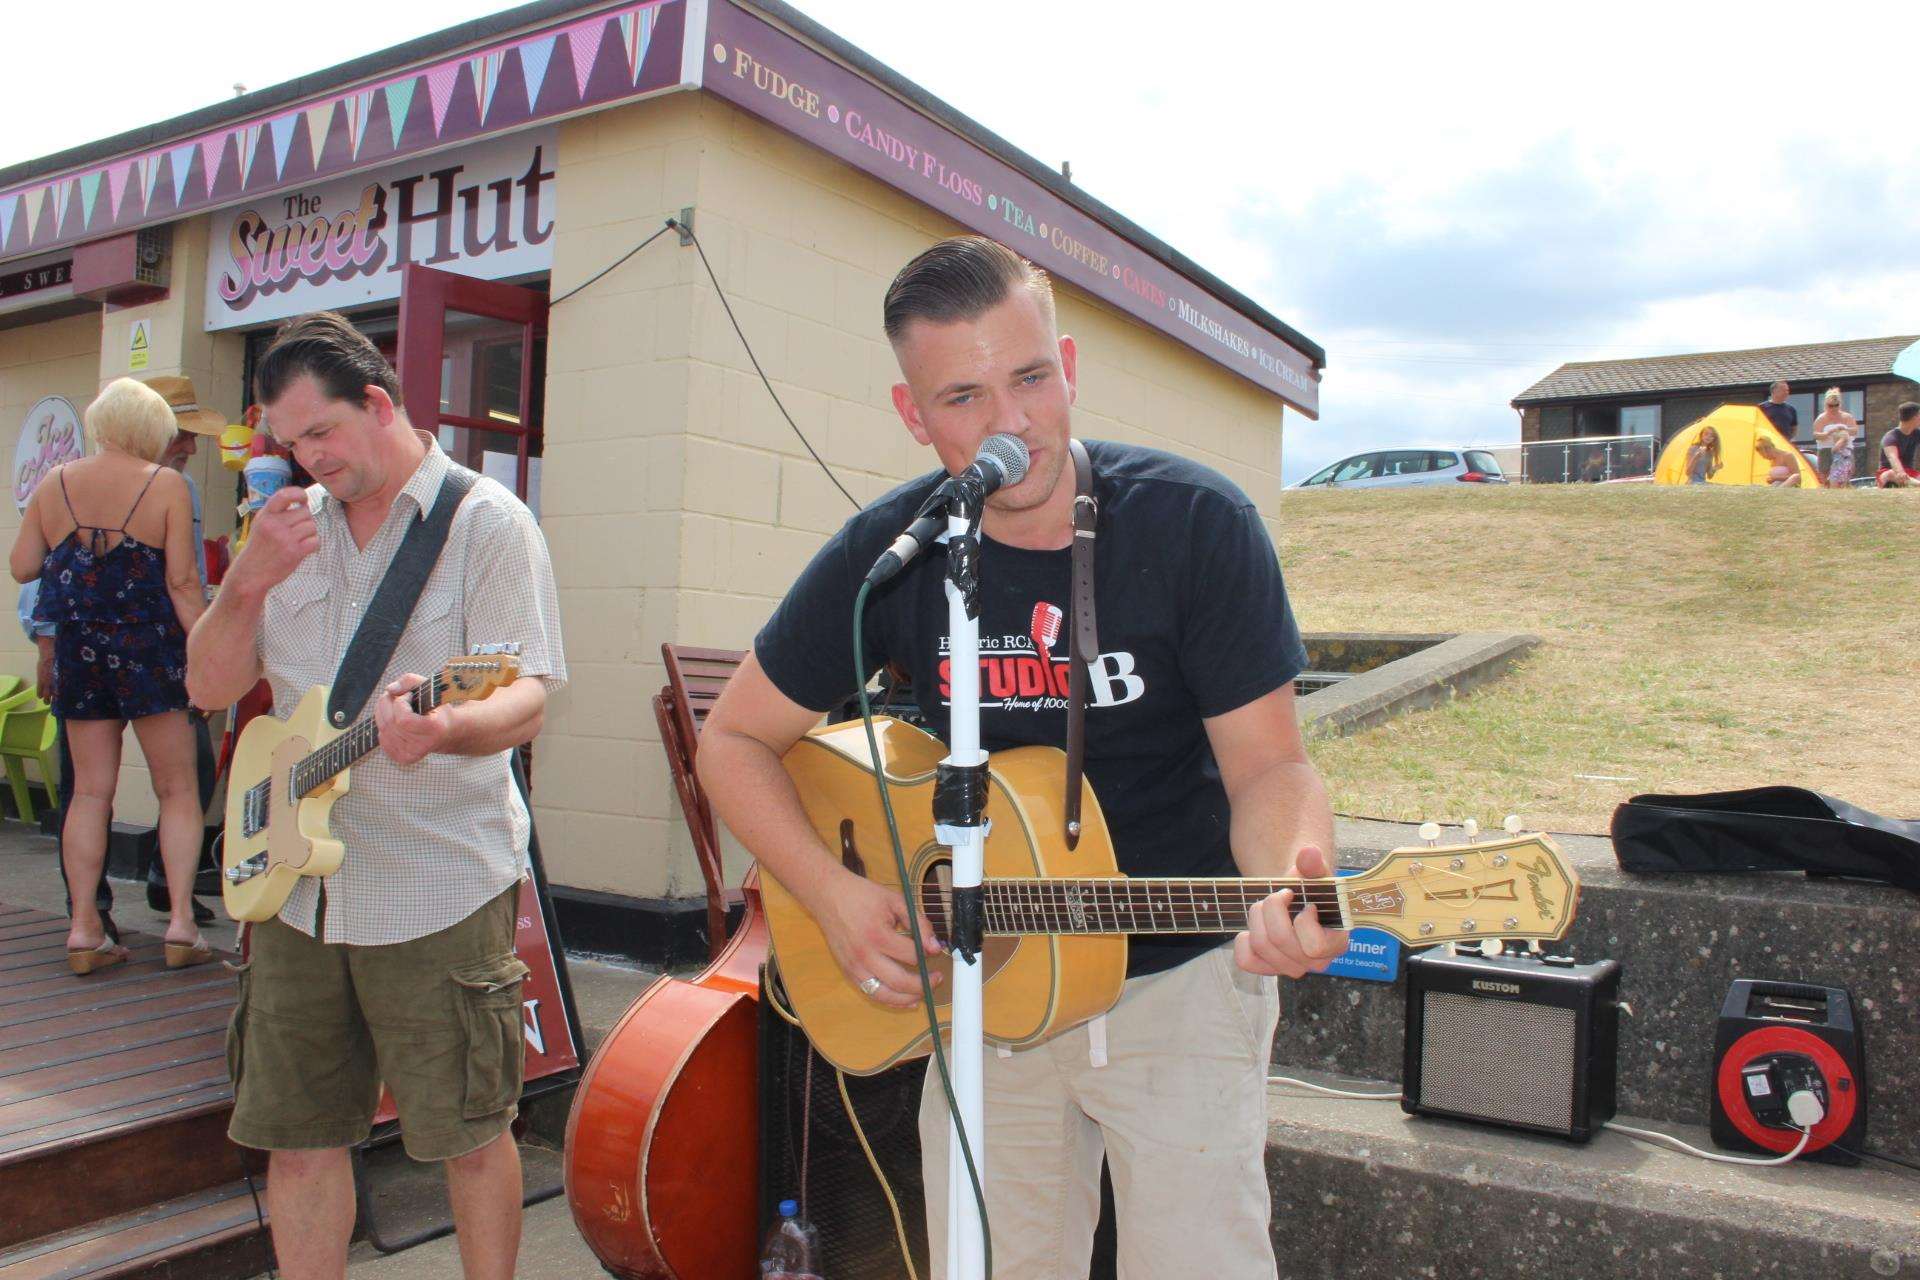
1696 639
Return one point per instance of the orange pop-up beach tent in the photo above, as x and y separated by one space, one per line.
1739 426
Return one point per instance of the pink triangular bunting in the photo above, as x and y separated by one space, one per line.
440 82
585 41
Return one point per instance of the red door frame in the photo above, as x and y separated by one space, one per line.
426 295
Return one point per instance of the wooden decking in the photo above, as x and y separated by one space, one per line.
113 1107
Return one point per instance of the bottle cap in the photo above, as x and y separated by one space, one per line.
789 1208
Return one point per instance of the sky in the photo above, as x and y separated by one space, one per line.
1452 200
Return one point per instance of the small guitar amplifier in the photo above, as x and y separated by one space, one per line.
1777 1038
1516 1040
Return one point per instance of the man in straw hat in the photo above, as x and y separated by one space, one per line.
193 420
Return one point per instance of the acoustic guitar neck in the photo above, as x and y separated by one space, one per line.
1113 905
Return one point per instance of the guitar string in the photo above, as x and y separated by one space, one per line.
302 777
1041 899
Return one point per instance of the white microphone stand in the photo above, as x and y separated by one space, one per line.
960 823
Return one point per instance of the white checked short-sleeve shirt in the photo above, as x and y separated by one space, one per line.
430 843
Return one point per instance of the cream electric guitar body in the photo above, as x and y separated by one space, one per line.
287 774
1057 919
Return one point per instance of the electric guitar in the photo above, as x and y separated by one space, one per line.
287 774
1056 921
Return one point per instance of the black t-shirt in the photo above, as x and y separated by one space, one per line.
1905 444
1785 418
1193 622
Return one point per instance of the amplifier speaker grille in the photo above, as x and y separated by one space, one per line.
1517 1040
1499 1059
803 1118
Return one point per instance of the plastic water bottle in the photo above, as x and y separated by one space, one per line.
792 1251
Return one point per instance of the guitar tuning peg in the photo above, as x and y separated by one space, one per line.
1472 829
1512 824
1430 832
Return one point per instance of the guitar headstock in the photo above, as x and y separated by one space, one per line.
476 676
1519 886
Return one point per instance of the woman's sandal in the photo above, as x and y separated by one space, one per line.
183 955
85 960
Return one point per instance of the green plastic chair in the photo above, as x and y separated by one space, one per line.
27 731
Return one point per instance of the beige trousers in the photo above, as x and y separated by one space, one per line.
1179 1109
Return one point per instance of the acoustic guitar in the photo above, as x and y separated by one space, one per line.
1056 920
287 774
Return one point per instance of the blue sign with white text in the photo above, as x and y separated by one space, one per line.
1373 955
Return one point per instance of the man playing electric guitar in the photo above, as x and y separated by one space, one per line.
400 966
1193 751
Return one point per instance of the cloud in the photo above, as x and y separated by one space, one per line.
1547 246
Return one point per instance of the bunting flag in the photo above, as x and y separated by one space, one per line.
585 41
282 130
440 82
33 200
486 77
636 32
249 136
359 110
182 165
117 186
399 98
534 57
21 208
319 120
89 195
212 148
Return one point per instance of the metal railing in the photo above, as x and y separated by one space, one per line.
1588 459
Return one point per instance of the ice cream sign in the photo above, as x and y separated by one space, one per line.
49 436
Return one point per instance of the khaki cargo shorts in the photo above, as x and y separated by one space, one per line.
320 1025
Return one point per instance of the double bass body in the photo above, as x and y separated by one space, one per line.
663 1143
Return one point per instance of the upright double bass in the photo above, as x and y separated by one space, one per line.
663 1144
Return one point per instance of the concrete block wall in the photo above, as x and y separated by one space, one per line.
78 355
679 503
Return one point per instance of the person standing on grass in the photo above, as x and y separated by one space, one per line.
1837 430
1784 417
1900 450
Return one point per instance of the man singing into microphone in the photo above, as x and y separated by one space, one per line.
1193 751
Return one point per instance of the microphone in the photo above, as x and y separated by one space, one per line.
1002 461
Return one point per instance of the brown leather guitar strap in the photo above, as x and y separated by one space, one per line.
1083 643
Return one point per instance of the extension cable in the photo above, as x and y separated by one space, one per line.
1804 1109
1806 1133
1332 1092
1802 1106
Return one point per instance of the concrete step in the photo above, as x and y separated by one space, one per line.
1681 940
1363 1189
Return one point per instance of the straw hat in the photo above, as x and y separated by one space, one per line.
188 412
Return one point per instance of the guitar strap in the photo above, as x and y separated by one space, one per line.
386 617
1083 644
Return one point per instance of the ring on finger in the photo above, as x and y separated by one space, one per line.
871 986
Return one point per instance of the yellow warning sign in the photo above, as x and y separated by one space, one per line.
140 345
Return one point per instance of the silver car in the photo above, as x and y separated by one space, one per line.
1393 468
